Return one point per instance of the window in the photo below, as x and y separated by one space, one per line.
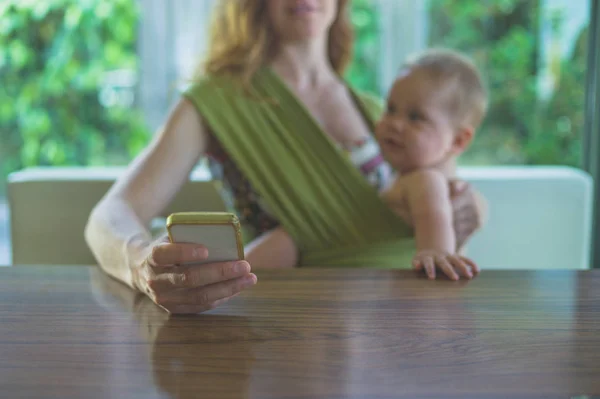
67 79
71 102
82 86
68 73
533 54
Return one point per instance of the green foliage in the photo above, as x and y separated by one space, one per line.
503 38
559 136
363 71
53 58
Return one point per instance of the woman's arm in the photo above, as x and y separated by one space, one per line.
274 249
117 230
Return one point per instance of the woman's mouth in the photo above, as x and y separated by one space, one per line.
303 7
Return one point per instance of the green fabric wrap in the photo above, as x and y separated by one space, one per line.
334 215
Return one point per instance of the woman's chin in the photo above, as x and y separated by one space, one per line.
305 30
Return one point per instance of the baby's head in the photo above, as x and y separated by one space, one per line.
433 109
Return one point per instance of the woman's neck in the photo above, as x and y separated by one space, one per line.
304 65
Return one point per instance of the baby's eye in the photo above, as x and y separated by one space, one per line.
415 116
390 109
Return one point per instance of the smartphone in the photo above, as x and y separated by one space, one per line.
219 232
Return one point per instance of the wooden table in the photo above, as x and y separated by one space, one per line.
69 332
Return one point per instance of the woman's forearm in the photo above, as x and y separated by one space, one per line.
117 230
274 249
118 239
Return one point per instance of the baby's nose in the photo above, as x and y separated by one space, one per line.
398 124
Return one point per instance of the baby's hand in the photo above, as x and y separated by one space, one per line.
452 265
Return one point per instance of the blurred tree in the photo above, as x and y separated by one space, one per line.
56 107
54 56
503 38
559 136
363 71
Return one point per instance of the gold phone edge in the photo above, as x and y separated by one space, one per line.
211 218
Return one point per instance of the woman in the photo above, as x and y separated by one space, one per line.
274 111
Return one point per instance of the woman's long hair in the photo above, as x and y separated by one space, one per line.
241 39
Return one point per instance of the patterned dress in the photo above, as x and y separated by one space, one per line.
254 213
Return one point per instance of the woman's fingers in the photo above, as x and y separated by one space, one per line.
171 277
192 276
457 187
204 298
465 214
463 202
167 254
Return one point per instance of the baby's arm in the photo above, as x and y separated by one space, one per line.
274 249
430 209
428 198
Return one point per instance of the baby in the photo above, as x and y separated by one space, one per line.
433 109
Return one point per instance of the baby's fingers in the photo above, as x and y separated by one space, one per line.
429 266
447 268
417 264
461 267
472 264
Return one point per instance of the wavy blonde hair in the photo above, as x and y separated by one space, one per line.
242 40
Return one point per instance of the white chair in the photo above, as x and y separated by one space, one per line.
49 208
539 217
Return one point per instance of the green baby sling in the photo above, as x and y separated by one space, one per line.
321 199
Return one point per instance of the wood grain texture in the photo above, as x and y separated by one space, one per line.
70 332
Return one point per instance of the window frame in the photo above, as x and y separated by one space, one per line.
591 134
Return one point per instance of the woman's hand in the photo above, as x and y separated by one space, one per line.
469 210
178 287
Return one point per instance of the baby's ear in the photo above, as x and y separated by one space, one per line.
462 139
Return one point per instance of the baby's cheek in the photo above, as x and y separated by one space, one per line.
427 152
380 127
421 146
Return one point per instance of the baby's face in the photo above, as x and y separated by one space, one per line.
416 130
